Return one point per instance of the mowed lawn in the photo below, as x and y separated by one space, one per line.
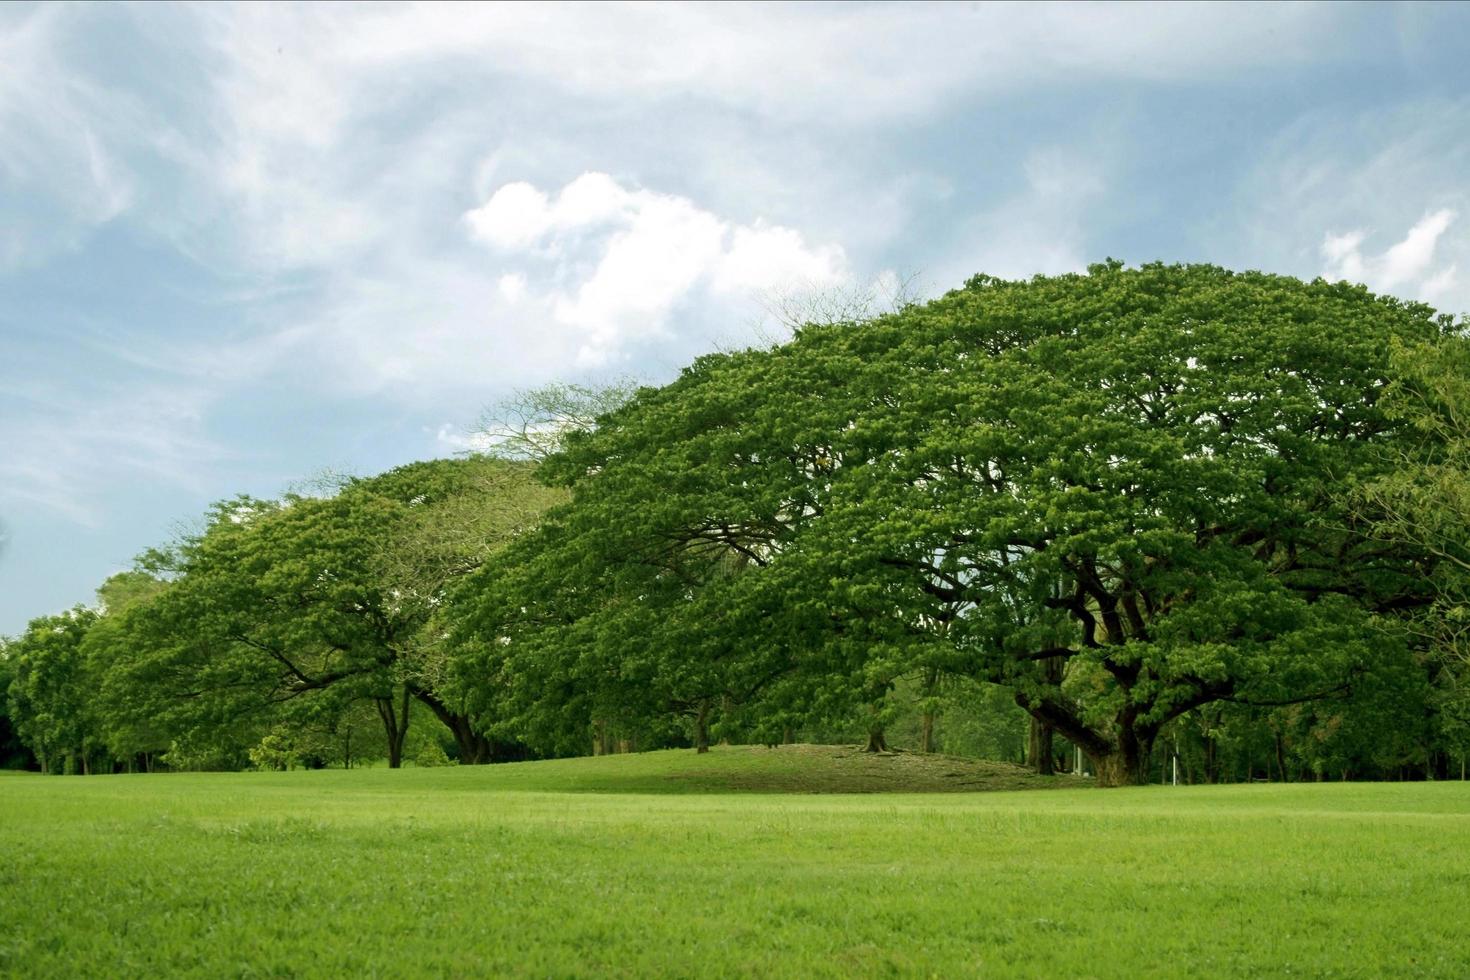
668 864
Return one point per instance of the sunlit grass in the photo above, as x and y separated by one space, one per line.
521 869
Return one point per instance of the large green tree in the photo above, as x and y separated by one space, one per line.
1423 503
301 607
1118 494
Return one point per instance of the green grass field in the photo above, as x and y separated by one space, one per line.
670 864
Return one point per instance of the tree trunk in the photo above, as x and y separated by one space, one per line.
701 728
1042 756
788 737
876 741
1114 770
1040 753
395 726
1127 764
926 732
475 749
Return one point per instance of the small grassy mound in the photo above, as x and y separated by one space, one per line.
758 769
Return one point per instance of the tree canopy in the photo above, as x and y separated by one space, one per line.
1224 511
310 604
1132 475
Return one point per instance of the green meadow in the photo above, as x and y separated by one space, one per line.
748 861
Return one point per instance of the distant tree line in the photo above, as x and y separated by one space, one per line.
1134 521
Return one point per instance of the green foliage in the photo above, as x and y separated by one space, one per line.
291 611
1136 472
274 754
14 753
1423 504
1144 514
430 754
49 692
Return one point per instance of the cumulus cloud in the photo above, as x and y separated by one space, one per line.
1402 265
612 262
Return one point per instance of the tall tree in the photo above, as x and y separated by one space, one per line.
1131 475
1423 503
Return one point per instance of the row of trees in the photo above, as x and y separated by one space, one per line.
282 620
1169 507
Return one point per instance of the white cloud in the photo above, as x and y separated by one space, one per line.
512 287
614 262
1439 285
761 257
1410 258
62 138
847 63
518 215
1343 255
1401 265
1370 197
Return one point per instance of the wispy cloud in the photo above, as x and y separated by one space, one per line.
59 142
1374 197
1403 265
1040 227
849 63
458 439
63 456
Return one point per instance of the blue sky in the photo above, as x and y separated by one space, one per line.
242 244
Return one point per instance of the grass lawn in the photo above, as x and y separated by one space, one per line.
669 864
